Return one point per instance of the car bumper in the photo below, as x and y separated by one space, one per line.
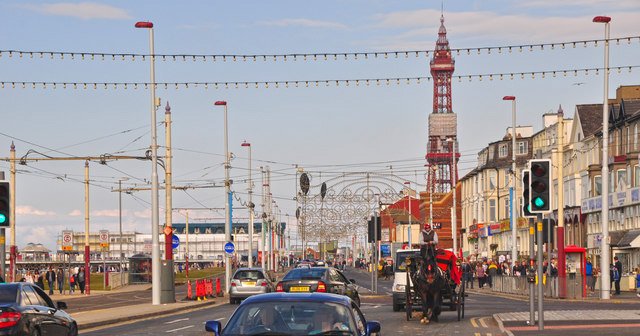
234 294
399 298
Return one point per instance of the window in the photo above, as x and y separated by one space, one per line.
523 148
635 137
491 150
503 150
506 208
492 180
492 210
636 176
621 178
597 185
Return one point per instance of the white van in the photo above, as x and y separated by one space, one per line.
400 276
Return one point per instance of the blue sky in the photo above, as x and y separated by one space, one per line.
325 129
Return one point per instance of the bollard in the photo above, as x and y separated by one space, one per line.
218 288
209 288
189 292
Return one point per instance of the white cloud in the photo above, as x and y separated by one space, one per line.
142 214
40 234
105 213
82 10
27 210
304 23
75 213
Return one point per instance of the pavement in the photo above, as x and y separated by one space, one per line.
624 315
94 316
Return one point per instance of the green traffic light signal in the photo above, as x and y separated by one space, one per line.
539 202
3 218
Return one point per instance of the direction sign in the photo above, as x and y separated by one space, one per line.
175 242
67 240
229 247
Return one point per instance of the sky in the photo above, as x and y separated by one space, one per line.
327 130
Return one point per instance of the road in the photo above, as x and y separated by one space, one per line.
478 320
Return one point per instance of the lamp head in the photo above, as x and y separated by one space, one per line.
602 19
220 103
144 24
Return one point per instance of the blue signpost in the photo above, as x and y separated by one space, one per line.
229 248
175 242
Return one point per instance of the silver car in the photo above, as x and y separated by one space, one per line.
249 281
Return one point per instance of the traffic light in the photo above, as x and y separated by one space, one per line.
526 203
540 185
5 203
370 233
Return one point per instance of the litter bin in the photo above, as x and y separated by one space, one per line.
167 288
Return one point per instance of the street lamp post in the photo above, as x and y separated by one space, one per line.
454 214
512 187
227 188
604 175
250 206
408 184
155 230
120 220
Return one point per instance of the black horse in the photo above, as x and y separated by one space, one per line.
429 280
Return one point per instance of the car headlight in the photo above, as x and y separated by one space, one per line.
399 288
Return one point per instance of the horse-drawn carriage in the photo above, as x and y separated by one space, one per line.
434 284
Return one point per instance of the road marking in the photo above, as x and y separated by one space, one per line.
483 323
178 320
220 319
473 322
178 329
581 326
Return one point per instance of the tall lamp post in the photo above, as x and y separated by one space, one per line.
227 188
512 187
604 175
120 220
454 214
250 206
155 230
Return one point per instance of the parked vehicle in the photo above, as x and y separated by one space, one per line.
318 279
246 282
26 310
296 314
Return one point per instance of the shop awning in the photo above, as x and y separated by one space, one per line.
629 239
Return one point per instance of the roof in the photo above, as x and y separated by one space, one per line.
298 297
616 236
31 247
590 116
628 238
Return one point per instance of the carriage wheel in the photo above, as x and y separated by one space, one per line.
409 298
460 303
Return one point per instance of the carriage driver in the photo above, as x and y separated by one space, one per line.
429 242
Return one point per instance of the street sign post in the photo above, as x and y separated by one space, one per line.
229 247
104 238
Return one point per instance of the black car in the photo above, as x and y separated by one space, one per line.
26 310
318 279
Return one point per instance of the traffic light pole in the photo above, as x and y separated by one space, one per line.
3 242
540 274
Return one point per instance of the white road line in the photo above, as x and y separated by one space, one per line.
178 320
178 329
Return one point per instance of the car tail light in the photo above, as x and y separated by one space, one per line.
233 284
279 287
9 319
263 283
322 288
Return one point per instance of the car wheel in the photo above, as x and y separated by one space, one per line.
396 307
73 331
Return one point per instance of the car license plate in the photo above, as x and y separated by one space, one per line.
248 283
298 289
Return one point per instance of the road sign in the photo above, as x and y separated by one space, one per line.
104 238
175 242
67 240
167 230
229 247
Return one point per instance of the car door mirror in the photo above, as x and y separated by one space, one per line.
372 327
213 326
61 305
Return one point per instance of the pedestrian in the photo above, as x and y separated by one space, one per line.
480 275
588 271
72 282
492 270
618 267
51 279
60 278
40 280
29 277
638 282
81 279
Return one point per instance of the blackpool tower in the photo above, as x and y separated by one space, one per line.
442 146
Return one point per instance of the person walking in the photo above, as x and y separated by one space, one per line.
51 279
638 282
81 279
618 266
60 278
480 275
40 280
492 271
588 271
72 282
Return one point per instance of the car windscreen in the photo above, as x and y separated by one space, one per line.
401 259
304 274
8 293
291 318
248 275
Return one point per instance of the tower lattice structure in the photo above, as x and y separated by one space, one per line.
442 147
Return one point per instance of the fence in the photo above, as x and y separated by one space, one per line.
520 286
